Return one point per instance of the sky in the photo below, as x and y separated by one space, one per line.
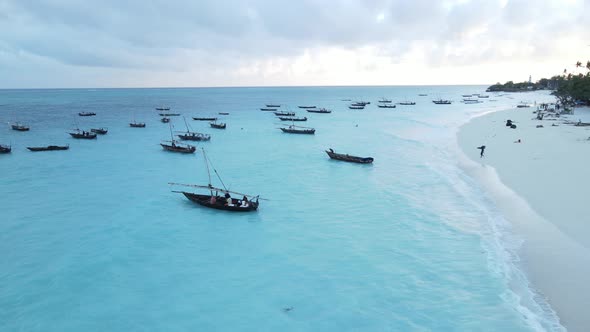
194 43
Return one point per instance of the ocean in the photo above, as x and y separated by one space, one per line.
94 239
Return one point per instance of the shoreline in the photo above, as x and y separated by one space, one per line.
539 186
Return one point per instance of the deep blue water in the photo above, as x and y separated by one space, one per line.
93 239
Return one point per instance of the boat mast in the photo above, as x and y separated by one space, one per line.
186 124
208 173
171 136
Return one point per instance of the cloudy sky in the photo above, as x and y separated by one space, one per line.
133 43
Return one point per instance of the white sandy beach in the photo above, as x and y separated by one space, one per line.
548 181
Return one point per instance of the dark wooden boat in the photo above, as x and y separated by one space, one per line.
5 148
306 107
86 114
100 131
321 110
273 105
137 124
361 103
20 127
298 130
217 125
483 96
282 118
407 103
349 158
191 135
386 106
284 113
268 109
82 134
165 120
174 146
356 107
162 108
49 148
223 113
205 119
441 102
358 104
385 101
169 114
219 198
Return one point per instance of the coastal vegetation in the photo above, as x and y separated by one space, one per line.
570 88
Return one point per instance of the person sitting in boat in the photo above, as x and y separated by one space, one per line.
245 202
228 199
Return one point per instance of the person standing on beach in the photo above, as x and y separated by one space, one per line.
482 148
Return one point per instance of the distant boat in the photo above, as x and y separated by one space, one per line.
442 102
361 103
422 95
284 113
191 135
321 110
205 119
223 113
214 200
306 107
407 103
349 158
358 104
169 114
483 96
467 96
5 148
217 125
100 131
268 109
352 107
385 101
137 124
20 127
82 134
282 118
165 120
86 114
162 108
273 105
174 146
386 106
471 101
298 130
523 105
49 148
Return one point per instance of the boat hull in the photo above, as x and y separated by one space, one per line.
350 159
178 149
190 137
205 200
99 131
48 148
298 131
82 136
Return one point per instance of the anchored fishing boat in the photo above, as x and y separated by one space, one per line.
352 107
20 127
162 108
385 100
268 109
169 114
407 103
442 101
191 135
306 107
349 158
298 130
165 120
282 118
321 110
137 124
5 148
82 134
218 198
205 119
386 106
217 125
285 113
100 131
86 114
273 105
49 148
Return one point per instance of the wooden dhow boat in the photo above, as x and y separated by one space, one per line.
273 105
385 100
162 108
352 107
175 146
217 125
268 109
82 134
290 118
442 102
306 107
5 148
349 158
218 198
86 114
49 148
298 130
165 120
137 124
19 127
205 119
284 113
100 131
386 106
191 135
169 114
407 103
321 110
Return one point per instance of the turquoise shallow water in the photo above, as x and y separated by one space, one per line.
93 238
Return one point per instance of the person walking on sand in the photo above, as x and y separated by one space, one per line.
482 148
